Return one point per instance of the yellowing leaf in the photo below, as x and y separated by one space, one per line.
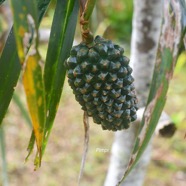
25 24
34 89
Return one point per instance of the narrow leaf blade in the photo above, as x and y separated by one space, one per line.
30 145
9 73
34 88
61 38
10 67
166 60
26 27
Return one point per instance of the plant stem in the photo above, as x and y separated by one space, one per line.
86 12
86 144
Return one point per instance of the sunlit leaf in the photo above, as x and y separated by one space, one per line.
34 88
166 60
60 43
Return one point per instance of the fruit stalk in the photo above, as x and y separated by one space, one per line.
86 10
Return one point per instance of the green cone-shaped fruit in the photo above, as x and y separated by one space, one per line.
100 77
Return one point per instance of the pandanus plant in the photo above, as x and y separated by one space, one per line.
97 71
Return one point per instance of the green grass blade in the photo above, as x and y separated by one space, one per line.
24 112
167 56
42 7
9 73
10 67
3 157
60 43
30 145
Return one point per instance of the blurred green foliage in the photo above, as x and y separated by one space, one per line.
181 63
177 92
119 14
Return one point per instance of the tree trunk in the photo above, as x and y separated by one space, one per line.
145 37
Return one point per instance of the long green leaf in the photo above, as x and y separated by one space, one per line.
10 66
61 38
3 157
172 32
9 73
